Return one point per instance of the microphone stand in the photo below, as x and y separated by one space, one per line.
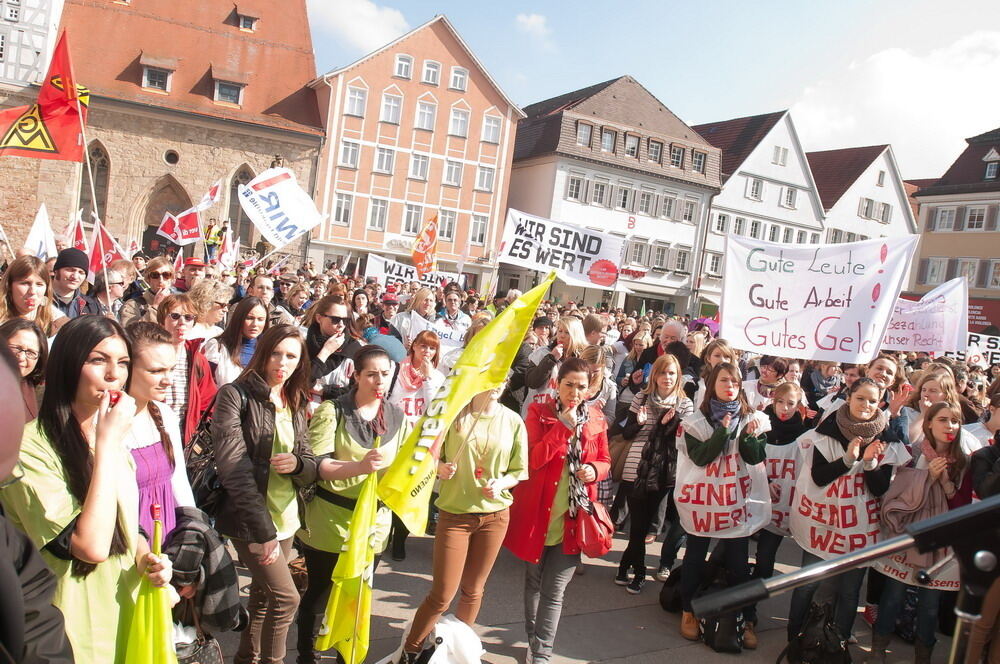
972 531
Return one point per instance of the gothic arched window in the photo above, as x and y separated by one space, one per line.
100 166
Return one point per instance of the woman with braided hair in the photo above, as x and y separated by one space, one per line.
155 437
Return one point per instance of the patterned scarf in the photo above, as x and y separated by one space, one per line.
578 497
722 408
409 376
866 430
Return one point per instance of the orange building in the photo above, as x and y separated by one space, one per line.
415 129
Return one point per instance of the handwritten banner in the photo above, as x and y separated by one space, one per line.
390 273
936 322
822 302
981 349
574 252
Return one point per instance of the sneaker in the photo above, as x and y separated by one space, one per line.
662 574
635 586
621 579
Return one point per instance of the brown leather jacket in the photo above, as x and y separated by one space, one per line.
243 447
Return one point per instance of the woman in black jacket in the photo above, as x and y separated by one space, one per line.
332 341
262 452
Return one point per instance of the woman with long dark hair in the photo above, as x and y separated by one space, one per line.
230 352
343 433
31 350
76 497
332 340
262 452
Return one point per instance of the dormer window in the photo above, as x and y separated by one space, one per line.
991 170
247 22
157 72
246 18
229 92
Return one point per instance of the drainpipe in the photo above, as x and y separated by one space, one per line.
697 275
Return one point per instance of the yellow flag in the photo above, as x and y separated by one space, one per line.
151 634
348 611
483 366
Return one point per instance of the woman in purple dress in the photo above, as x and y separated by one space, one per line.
155 438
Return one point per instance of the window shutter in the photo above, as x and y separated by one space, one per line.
654 210
585 192
983 273
959 218
633 195
922 271
952 271
610 202
932 217
569 181
861 208
991 217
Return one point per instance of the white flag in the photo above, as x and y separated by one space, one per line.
41 241
280 209
229 251
210 198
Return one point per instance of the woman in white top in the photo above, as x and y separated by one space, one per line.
211 300
421 306
418 378
772 373
231 351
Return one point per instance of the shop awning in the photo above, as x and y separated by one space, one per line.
711 297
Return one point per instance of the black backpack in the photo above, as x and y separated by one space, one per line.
670 592
723 633
199 459
819 640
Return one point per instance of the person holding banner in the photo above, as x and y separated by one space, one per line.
567 457
836 496
25 293
353 435
541 379
262 453
944 484
76 496
720 450
484 456
421 304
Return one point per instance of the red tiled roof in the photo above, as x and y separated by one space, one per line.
966 175
109 41
920 183
836 170
737 138
565 101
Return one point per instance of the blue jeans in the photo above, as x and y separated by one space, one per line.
844 590
889 606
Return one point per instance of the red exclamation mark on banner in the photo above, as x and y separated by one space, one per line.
878 287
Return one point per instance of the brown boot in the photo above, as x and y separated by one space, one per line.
750 636
690 627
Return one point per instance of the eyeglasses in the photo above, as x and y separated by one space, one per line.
160 275
174 316
27 352
336 319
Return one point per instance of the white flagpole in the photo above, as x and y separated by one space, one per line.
93 189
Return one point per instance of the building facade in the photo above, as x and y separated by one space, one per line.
768 193
182 95
612 157
862 193
959 232
28 31
415 129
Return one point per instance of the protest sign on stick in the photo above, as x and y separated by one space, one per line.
823 302
572 251
938 321
280 209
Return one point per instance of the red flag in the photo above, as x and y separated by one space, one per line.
179 263
104 250
52 127
75 234
425 248
182 229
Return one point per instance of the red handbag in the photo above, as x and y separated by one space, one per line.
594 530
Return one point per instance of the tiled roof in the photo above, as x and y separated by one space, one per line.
966 175
109 43
737 138
565 101
834 171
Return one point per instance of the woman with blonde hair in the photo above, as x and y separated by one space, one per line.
421 306
626 388
210 298
159 274
27 293
650 466
541 379
933 387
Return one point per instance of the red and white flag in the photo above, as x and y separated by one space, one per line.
104 250
182 229
75 233
229 250
425 248
210 198
178 263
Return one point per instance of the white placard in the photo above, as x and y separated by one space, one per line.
571 251
937 322
823 302
390 272
981 349
280 209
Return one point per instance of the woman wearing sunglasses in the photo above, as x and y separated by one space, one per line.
332 341
159 275
192 386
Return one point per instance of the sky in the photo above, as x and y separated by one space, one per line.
922 75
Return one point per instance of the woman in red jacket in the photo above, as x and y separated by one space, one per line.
567 456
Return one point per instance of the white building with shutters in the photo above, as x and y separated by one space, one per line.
612 157
28 32
768 193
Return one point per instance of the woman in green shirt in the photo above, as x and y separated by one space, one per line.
485 454
262 453
76 497
343 433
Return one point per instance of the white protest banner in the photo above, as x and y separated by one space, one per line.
390 272
936 322
572 251
279 208
981 349
449 337
898 567
782 464
821 302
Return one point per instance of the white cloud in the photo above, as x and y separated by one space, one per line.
361 24
924 104
537 28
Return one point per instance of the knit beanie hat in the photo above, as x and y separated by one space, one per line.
72 257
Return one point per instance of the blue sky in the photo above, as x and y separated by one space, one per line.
908 72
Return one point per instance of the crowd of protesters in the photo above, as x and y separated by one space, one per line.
313 379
